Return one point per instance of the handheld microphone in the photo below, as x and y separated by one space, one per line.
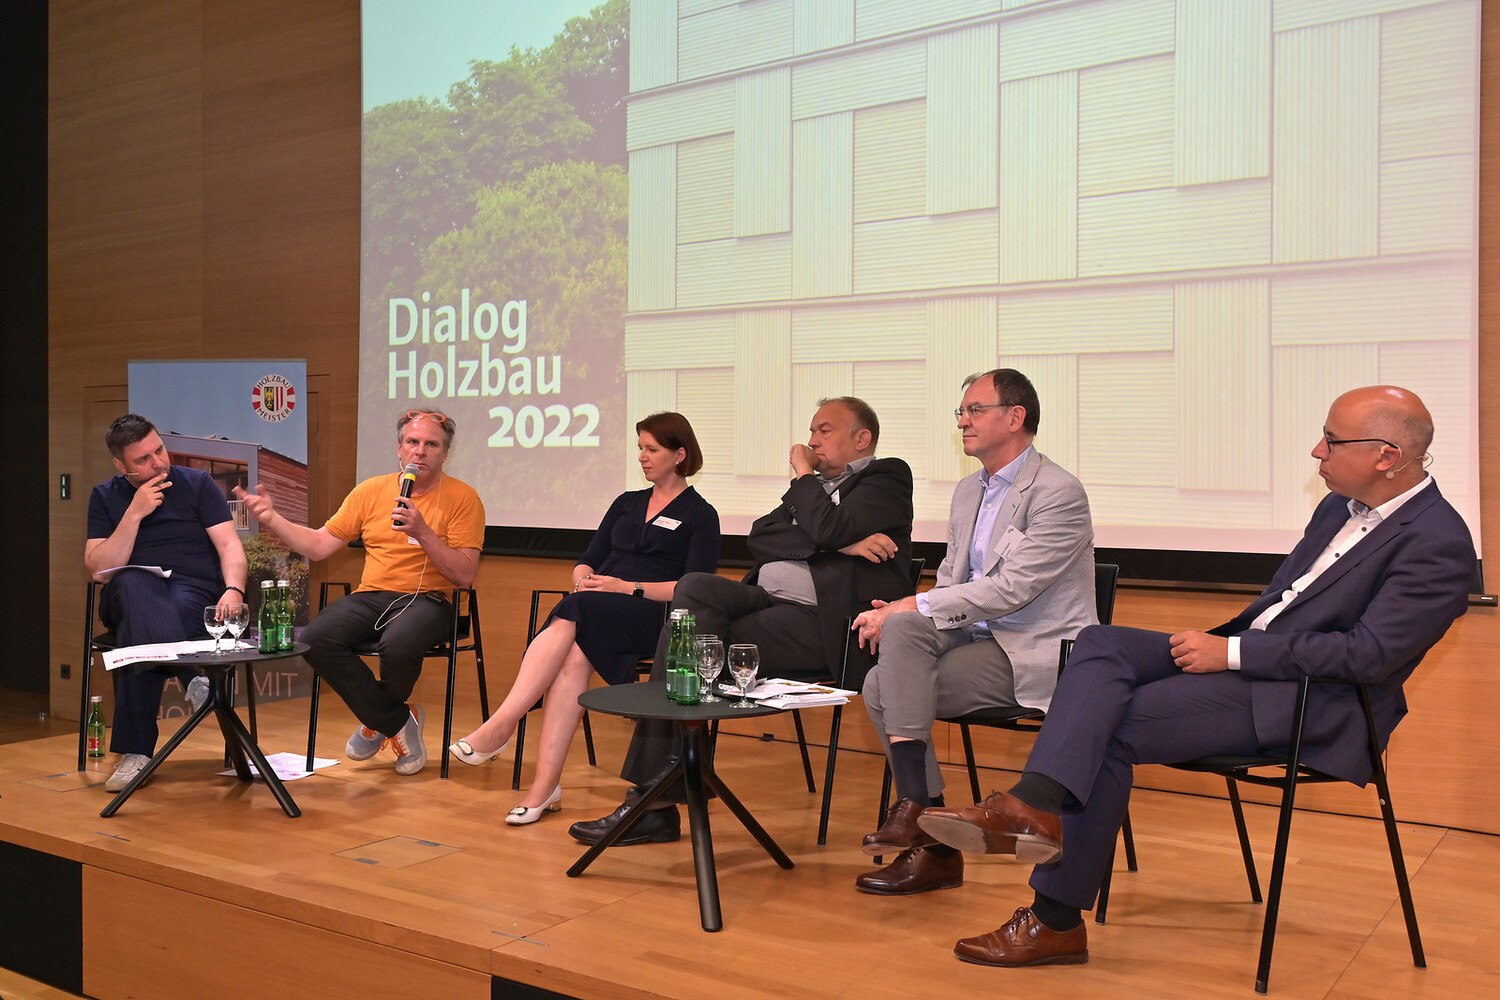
408 480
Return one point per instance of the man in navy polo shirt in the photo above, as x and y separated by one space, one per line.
157 514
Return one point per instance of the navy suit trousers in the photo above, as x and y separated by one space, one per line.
143 608
1121 702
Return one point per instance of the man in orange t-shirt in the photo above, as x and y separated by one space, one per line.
416 549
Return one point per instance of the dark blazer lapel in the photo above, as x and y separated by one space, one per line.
1386 530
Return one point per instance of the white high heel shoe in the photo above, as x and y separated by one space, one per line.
469 755
523 815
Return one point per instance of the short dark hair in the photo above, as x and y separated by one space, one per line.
864 415
1013 389
672 431
443 420
126 431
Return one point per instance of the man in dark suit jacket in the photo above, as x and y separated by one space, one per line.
1383 569
840 538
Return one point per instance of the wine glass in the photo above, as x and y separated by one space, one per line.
710 664
213 620
236 619
744 662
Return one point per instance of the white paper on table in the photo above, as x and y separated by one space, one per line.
289 766
778 692
106 574
166 651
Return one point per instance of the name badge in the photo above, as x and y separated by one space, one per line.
670 523
1008 541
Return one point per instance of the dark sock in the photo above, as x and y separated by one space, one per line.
1057 916
937 800
941 850
909 768
1040 792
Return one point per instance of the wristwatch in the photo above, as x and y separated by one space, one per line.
639 591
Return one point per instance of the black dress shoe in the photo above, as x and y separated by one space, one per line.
658 826
917 869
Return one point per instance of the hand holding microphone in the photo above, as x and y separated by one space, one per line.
408 481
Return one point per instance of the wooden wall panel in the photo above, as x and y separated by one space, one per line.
201 155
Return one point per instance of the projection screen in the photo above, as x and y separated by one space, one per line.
1192 223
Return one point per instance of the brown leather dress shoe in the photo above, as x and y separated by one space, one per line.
1025 940
915 870
899 832
1001 824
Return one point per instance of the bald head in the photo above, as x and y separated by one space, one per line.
1374 442
1393 413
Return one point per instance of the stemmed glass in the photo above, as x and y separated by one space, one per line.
744 662
236 619
710 664
213 620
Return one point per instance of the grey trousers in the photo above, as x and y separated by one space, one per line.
925 673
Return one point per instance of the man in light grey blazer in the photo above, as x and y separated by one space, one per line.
1018 577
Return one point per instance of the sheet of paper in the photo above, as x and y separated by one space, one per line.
158 651
289 766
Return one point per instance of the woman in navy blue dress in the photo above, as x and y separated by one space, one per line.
647 540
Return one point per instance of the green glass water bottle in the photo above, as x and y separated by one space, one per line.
266 624
96 725
674 652
284 615
688 682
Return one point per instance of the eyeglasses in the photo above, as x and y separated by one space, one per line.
1330 442
411 415
975 409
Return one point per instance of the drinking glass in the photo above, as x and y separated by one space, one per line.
710 664
213 620
744 662
236 620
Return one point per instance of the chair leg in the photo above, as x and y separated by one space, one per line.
1101 908
833 752
969 756
478 644
1392 837
812 789
312 720
86 664
1129 836
588 740
885 802
1278 872
515 772
1244 834
87 668
448 709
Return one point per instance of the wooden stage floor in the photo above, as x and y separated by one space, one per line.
200 886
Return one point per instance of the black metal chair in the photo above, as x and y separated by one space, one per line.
1288 772
103 642
835 725
1029 720
464 637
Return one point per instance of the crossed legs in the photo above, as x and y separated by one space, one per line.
553 669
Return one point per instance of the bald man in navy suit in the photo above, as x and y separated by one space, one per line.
1382 570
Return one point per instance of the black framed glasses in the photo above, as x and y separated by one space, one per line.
1330 442
975 409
